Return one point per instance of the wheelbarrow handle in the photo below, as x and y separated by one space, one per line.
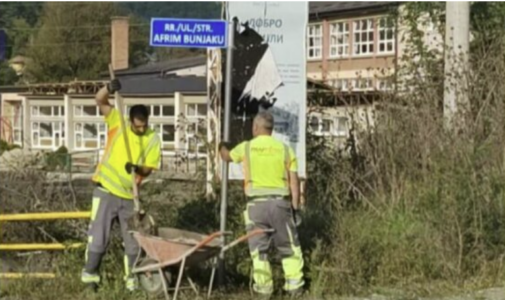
245 237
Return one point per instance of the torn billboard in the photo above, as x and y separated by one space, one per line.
269 72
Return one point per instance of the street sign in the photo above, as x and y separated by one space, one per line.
188 33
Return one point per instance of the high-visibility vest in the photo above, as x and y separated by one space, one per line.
111 173
249 176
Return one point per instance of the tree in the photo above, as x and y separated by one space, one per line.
29 11
72 42
7 74
19 35
17 19
188 9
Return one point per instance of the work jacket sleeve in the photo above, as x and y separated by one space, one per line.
112 119
237 153
293 163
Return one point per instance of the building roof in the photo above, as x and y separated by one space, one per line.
164 66
13 89
134 85
163 85
330 8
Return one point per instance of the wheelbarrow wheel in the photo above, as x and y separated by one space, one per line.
152 282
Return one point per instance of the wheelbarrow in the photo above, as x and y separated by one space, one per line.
173 249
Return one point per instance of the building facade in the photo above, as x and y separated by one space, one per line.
45 118
355 49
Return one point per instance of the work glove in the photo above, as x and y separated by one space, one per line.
129 167
113 86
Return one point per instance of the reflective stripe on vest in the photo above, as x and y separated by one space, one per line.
250 190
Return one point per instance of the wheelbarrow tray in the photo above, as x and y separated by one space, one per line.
172 245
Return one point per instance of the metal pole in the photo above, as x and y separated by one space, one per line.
226 138
457 33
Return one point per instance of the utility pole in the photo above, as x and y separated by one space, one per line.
457 32
226 138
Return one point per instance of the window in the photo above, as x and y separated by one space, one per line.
341 128
157 111
328 126
48 135
48 111
166 132
362 84
341 84
314 124
363 37
315 41
196 110
339 39
86 111
90 135
386 35
167 110
168 135
384 84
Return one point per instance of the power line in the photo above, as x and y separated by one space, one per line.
69 27
107 42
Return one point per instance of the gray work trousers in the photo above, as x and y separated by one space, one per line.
274 213
106 208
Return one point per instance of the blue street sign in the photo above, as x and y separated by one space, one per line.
188 33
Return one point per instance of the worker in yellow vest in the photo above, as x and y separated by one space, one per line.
273 193
113 194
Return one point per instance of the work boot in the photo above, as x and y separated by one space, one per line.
131 283
90 280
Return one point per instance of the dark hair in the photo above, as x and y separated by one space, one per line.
139 112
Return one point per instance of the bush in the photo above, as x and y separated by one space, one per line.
4 146
58 160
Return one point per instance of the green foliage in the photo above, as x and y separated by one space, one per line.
148 10
7 74
72 42
29 11
4 146
20 34
18 18
58 160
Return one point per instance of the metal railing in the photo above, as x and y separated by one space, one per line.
39 246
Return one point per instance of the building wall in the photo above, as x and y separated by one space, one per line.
331 55
347 49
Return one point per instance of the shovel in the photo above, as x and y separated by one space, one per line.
140 221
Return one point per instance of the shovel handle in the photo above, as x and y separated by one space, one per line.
118 102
